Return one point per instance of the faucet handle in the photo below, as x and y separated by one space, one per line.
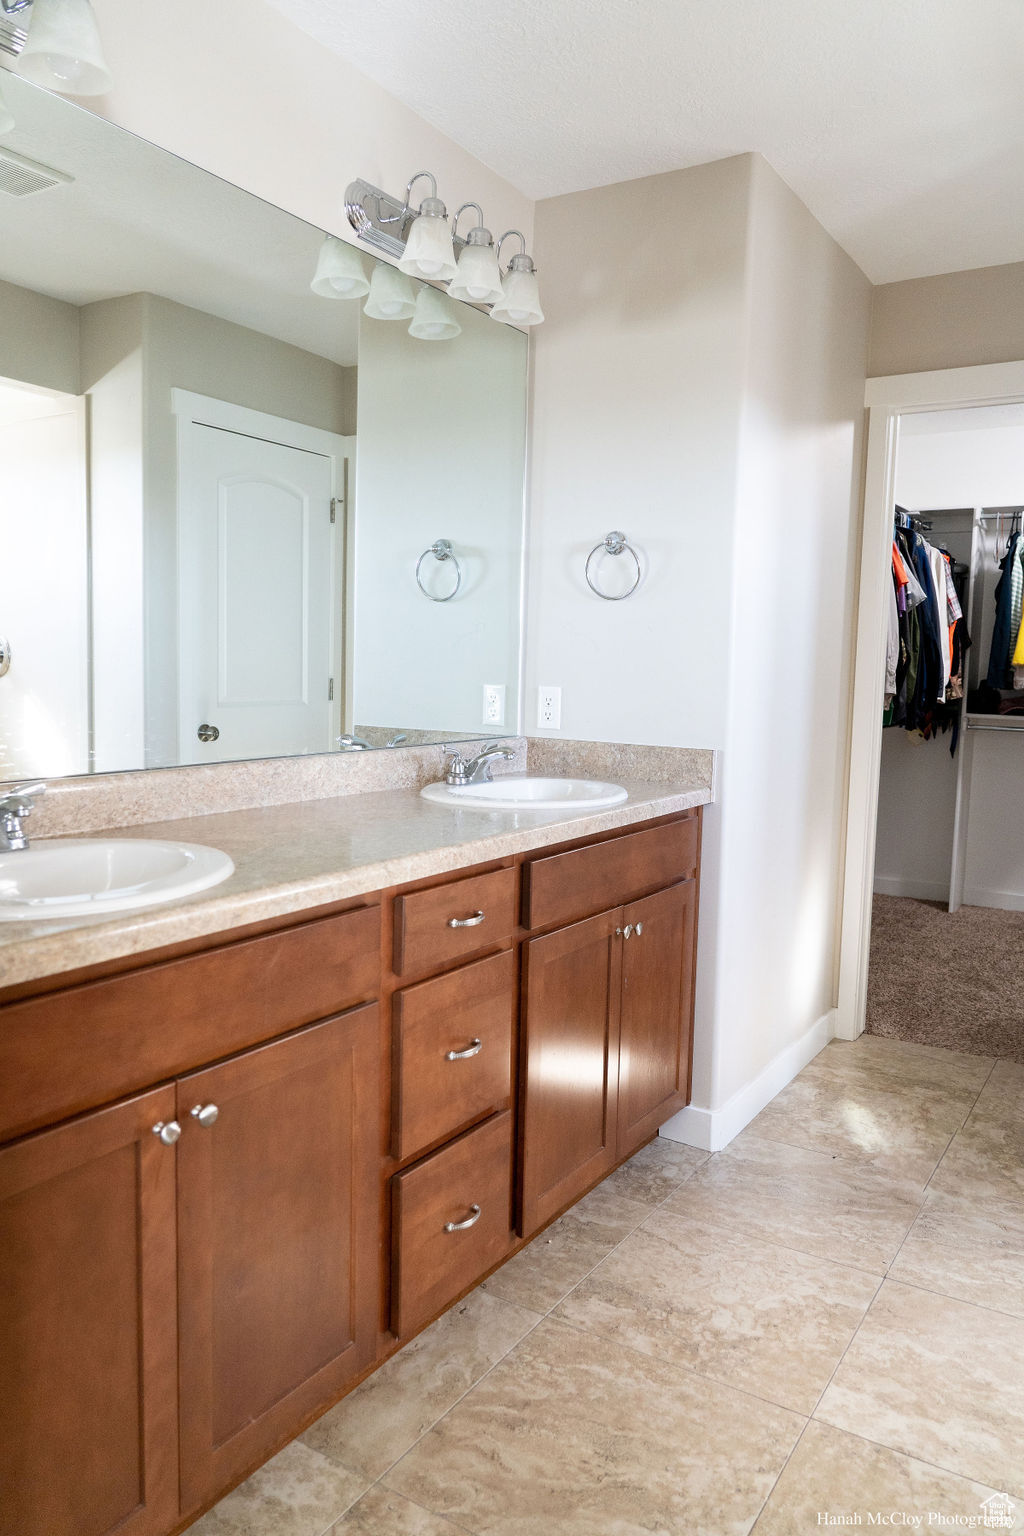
20 797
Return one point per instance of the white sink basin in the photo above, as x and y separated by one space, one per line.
88 876
512 793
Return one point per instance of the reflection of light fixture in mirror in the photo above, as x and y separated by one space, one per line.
478 276
7 123
429 251
63 51
433 319
391 295
340 273
520 297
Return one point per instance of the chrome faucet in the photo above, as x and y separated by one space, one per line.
349 743
14 807
461 771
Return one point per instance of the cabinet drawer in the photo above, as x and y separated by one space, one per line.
431 1263
71 1050
453 1051
566 886
442 924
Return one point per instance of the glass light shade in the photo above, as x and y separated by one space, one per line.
391 295
520 300
478 277
340 273
63 51
7 123
429 251
433 319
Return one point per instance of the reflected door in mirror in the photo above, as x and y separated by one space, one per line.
259 591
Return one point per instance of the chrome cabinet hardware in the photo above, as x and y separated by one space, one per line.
208 733
168 1131
618 933
5 655
470 1221
466 922
638 930
473 1049
206 1114
627 930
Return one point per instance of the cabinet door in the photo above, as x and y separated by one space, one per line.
657 1011
571 991
279 1268
88 1401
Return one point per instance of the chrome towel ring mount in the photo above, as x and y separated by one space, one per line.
441 549
614 543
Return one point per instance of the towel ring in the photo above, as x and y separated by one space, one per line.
614 543
441 549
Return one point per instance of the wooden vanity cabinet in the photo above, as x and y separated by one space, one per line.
233 1180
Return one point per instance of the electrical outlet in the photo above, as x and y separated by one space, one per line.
549 708
494 704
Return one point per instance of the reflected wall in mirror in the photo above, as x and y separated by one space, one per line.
217 487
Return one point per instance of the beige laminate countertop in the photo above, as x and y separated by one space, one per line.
289 858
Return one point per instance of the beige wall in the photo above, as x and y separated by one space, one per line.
255 100
951 321
699 383
38 339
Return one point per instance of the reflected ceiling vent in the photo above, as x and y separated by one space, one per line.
20 177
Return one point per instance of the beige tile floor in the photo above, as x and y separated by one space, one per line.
826 1319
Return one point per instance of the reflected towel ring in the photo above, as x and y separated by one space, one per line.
614 543
441 549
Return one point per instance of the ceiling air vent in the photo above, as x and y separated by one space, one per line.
20 177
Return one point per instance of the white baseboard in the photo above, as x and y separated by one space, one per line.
981 896
920 890
713 1129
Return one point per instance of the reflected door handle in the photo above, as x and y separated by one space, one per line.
208 733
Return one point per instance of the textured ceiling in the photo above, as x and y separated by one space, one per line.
899 122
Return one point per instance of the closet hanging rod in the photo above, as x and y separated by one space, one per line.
988 517
978 725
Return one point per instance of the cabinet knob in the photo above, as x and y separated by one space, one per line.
206 1114
466 922
168 1131
472 1049
470 1221
638 930
627 930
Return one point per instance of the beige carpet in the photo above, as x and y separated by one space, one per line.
951 979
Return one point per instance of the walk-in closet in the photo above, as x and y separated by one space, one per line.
947 943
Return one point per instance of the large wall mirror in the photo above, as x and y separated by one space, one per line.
234 511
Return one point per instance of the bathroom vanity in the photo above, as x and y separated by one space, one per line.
240 1170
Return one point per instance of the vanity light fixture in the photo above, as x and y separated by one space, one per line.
520 297
392 296
421 243
429 251
62 51
433 318
340 273
478 276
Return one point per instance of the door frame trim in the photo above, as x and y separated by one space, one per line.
887 400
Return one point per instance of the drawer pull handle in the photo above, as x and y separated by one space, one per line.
206 1114
168 1132
473 1049
470 1221
466 922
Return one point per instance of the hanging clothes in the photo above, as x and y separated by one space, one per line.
926 637
1004 635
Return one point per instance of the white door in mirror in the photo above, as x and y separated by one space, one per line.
90 876
512 793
